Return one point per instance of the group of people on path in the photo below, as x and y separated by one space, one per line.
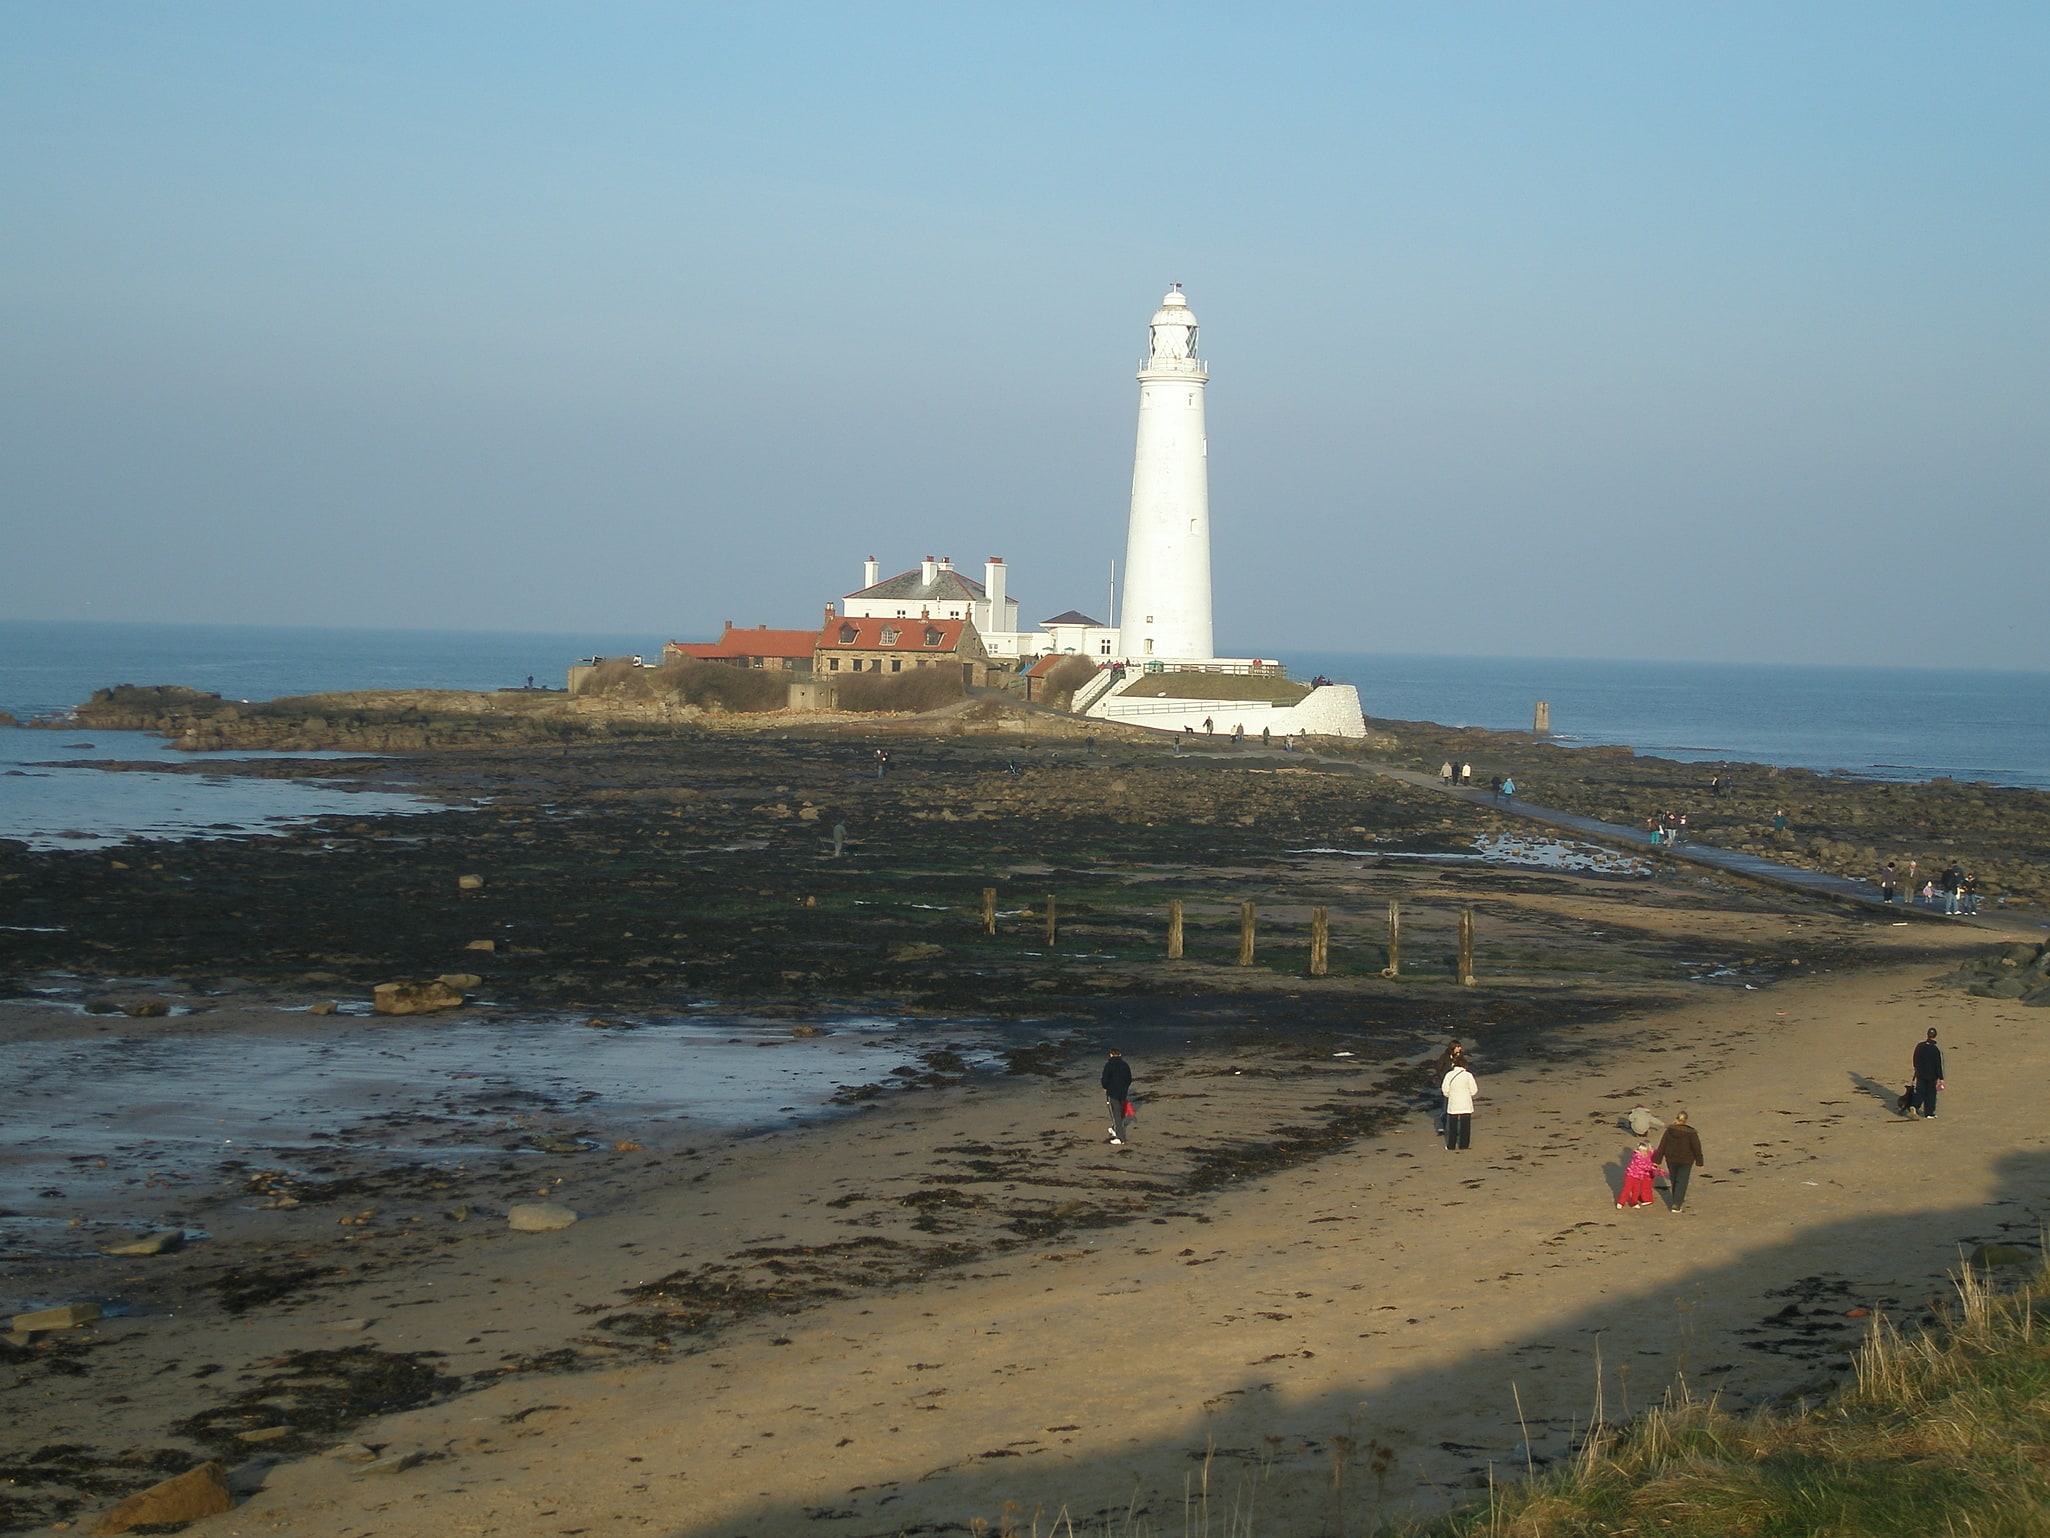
1953 891
1447 775
1668 829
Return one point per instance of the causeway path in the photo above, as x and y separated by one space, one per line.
1735 861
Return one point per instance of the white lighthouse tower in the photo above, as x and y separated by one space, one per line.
1167 545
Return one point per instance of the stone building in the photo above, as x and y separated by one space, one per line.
849 644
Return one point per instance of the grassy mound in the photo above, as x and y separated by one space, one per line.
1945 1433
1215 686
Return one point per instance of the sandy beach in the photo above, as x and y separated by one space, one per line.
1383 1294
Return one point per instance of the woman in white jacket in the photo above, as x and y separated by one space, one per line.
1459 1089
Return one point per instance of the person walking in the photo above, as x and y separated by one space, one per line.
1680 1152
1466 774
1637 1187
1117 1096
1928 1077
882 762
1445 772
1889 878
1459 1088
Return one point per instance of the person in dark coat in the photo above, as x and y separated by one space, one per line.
1680 1152
1928 1076
1117 1093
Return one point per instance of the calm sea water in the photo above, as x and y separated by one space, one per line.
1893 723
1886 723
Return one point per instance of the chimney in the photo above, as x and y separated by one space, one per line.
831 614
946 563
993 574
871 574
928 569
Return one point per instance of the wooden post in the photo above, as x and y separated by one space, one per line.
1394 967
1245 934
1320 942
1466 946
989 910
1052 921
1174 930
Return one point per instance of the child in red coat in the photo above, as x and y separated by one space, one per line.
1637 1190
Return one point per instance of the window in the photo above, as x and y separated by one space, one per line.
889 636
896 664
932 636
1103 648
832 664
847 634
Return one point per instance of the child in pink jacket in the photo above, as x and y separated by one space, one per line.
1637 1179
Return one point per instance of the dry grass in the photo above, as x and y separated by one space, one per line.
917 690
1064 678
708 685
1944 1432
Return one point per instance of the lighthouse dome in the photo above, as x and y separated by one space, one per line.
1173 327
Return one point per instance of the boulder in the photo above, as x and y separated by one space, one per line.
200 1492
65 1316
414 998
1999 988
324 1007
481 945
916 950
538 1217
147 1009
162 1242
469 883
460 979
264 1434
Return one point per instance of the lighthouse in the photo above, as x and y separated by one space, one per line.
1167 543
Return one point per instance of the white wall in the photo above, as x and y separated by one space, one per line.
1333 711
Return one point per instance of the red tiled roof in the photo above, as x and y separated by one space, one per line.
909 635
761 641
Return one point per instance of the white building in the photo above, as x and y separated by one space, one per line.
1077 633
1167 543
934 590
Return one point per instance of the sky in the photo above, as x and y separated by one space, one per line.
1563 330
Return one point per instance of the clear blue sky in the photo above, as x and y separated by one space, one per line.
1569 329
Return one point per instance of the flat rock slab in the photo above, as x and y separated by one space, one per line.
414 998
65 1316
200 1492
538 1217
162 1242
392 1463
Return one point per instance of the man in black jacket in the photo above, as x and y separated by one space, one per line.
1117 1090
1928 1076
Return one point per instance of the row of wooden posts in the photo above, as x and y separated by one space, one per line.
1320 934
